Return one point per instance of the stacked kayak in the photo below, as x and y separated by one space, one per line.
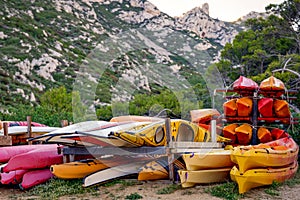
28 165
276 160
203 116
206 167
244 86
240 107
239 134
272 87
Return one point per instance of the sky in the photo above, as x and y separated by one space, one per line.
226 10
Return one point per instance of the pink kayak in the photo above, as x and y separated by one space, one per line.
12 177
35 177
243 83
8 152
35 159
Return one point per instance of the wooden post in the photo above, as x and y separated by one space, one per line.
168 150
29 131
5 128
64 123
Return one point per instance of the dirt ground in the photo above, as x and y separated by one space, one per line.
148 190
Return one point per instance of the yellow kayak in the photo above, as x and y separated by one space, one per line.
82 168
154 134
209 160
277 153
260 177
191 178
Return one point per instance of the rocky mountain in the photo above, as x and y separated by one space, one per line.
107 49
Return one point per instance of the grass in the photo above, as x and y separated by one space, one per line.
227 190
169 189
134 196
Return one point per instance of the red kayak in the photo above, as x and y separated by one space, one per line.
35 177
278 133
244 106
13 177
243 83
230 108
265 107
8 152
35 159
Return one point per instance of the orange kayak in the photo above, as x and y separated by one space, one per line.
281 108
265 107
272 84
278 133
244 106
229 132
230 108
264 135
244 134
203 116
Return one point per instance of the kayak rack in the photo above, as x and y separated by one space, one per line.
172 150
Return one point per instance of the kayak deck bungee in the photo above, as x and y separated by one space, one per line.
259 177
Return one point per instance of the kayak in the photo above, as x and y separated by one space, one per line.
230 108
243 84
20 130
203 116
278 133
208 160
277 153
244 134
281 108
264 135
259 177
154 170
135 118
273 85
159 169
34 159
35 177
265 107
244 106
191 178
229 132
8 152
154 134
12 177
82 168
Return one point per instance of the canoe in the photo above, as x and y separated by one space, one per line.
278 133
277 153
34 159
243 84
244 106
135 118
12 177
264 135
35 177
191 178
230 108
208 160
244 134
113 173
260 177
203 116
82 168
265 107
8 152
273 85
281 108
229 132
154 170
